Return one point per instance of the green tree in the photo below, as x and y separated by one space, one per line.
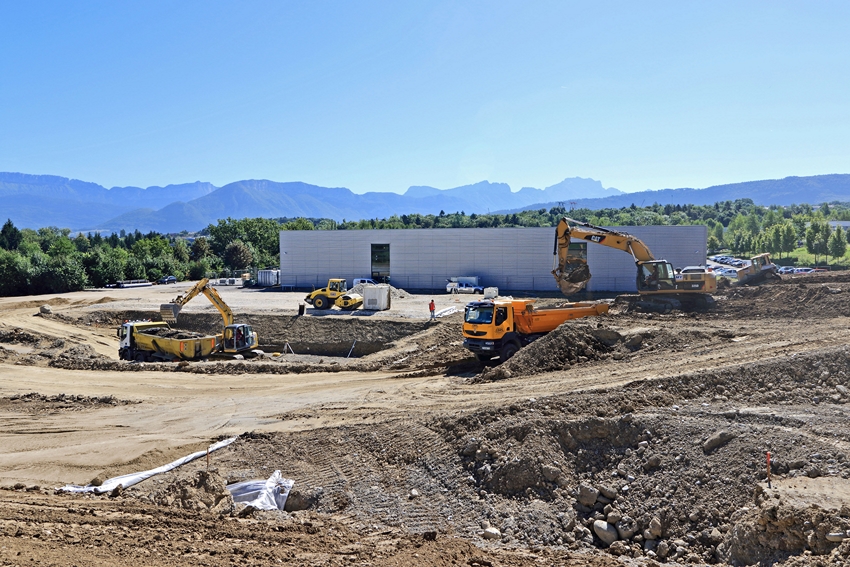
817 238
180 251
82 243
105 266
237 255
713 244
200 249
135 269
789 238
299 224
837 244
199 269
10 236
62 246
16 270
58 275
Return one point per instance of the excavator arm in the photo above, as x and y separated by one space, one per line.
571 272
169 311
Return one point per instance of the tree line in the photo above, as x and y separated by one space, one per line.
53 260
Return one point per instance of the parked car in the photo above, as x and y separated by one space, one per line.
462 287
786 270
694 270
820 270
803 270
358 281
167 280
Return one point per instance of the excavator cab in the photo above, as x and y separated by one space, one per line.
238 338
657 275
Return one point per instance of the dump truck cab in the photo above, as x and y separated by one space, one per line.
487 327
126 338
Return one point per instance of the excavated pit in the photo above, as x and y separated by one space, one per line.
351 337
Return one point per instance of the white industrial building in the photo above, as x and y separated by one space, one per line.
512 259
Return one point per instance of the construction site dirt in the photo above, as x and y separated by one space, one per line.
625 439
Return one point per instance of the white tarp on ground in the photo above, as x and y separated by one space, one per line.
446 311
129 480
268 494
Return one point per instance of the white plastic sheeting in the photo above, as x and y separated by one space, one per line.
268 494
446 311
129 480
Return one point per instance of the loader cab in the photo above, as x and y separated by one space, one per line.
337 286
657 275
238 338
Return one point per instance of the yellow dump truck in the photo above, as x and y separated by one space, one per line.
500 327
155 341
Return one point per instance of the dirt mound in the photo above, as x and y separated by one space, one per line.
790 300
34 402
20 336
204 491
569 344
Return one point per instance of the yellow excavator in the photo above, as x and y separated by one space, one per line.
660 288
236 337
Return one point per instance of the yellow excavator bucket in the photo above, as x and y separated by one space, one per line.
169 312
572 275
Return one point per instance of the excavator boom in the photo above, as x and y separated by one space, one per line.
571 272
169 311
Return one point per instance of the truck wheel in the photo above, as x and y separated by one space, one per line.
321 302
508 351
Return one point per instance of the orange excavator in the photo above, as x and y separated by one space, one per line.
659 287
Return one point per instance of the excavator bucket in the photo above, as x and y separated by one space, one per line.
169 312
572 277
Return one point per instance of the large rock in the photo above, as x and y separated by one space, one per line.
655 527
492 533
606 532
626 527
718 439
619 548
587 495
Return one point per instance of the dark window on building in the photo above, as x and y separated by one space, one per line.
381 262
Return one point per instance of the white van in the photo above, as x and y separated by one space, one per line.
358 281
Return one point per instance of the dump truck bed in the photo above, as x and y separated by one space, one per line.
530 320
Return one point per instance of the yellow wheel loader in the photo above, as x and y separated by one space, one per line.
336 293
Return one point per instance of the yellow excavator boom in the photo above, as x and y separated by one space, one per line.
169 311
571 272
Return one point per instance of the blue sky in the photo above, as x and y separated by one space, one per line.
378 96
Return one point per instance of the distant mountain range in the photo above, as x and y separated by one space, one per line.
34 201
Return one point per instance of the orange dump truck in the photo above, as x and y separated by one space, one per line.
500 327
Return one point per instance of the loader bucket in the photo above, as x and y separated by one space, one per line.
573 277
169 312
